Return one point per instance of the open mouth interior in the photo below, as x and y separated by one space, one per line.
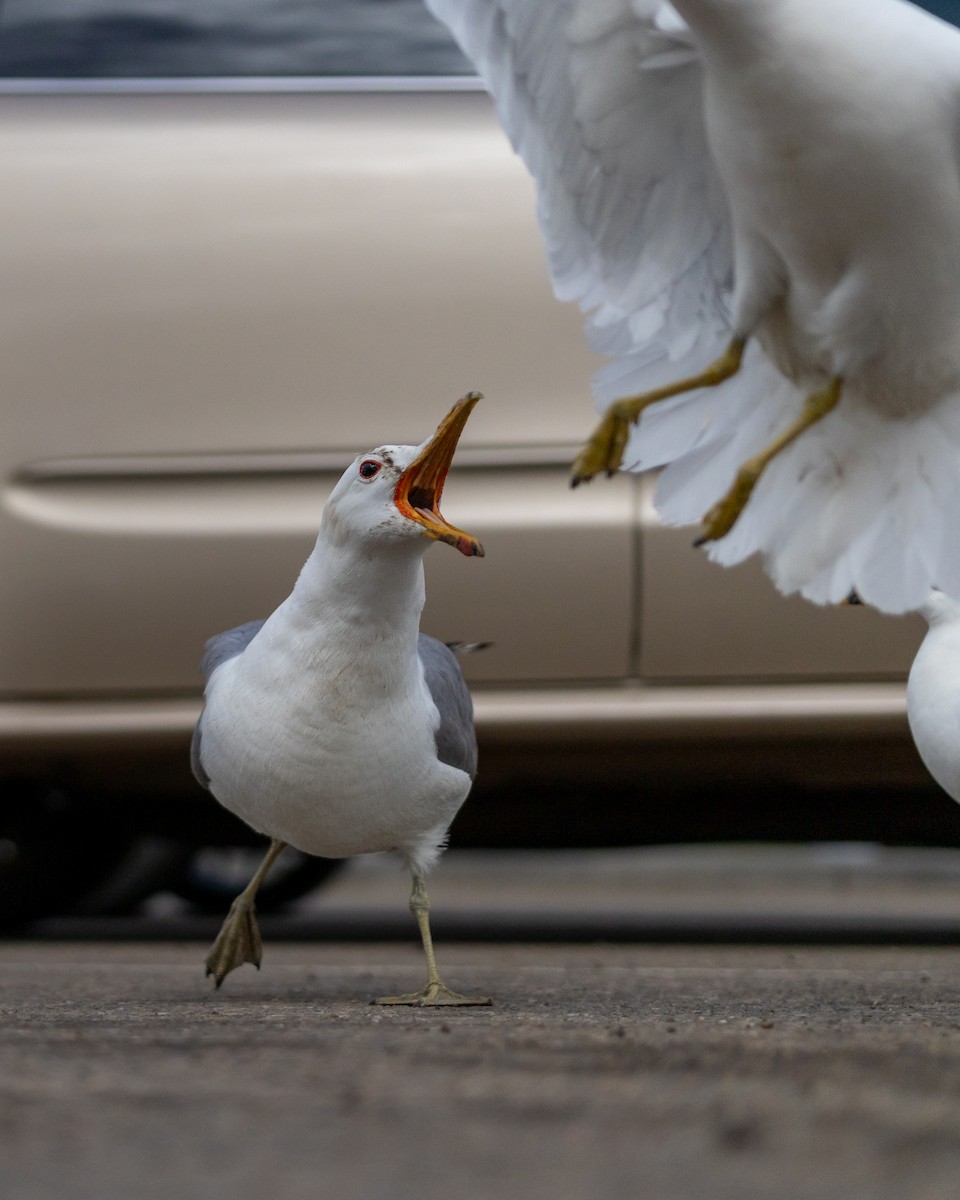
424 501
421 485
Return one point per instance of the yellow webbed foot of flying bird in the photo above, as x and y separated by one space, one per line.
603 453
723 516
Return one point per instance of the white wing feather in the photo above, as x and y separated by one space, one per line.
603 100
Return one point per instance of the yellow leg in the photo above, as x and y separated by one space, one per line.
604 450
239 938
436 991
722 517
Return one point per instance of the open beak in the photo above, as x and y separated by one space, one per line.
421 485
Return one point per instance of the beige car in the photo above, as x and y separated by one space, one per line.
213 292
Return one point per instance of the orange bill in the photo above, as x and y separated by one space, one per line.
421 485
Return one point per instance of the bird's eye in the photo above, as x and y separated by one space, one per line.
370 468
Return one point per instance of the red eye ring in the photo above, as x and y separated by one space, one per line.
369 468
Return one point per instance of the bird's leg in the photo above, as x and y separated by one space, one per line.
239 938
604 450
436 992
722 517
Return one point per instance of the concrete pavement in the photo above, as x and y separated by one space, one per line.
601 1072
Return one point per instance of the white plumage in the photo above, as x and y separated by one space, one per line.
334 725
322 731
933 693
785 172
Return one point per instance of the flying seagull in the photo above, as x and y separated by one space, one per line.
334 725
757 203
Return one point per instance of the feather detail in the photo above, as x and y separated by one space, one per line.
846 265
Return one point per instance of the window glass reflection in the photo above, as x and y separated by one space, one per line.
69 39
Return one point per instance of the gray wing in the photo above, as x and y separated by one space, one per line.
456 738
227 645
217 651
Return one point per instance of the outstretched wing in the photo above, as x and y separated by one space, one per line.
603 101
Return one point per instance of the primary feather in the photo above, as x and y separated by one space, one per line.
787 171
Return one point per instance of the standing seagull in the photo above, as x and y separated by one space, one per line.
933 693
334 725
758 204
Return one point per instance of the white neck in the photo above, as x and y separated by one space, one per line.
358 604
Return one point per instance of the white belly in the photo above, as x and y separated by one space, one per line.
847 249
330 778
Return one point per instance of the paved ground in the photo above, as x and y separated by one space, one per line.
675 1073
602 1071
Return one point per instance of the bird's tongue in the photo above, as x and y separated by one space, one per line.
421 485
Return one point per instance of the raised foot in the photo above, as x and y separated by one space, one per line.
723 516
603 452
436 995
238 942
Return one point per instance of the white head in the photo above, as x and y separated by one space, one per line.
392 494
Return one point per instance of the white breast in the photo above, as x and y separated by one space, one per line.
327 754
933 706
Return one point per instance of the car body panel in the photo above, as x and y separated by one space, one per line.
724 624
243 281
209 301
230 273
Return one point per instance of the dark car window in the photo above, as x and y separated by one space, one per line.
150 39
948 9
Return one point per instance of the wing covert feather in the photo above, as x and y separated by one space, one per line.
603 101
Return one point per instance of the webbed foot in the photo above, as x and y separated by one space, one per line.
436 995
603 451
238 941
722 517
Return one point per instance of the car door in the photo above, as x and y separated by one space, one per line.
213 292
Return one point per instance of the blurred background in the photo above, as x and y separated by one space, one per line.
243 240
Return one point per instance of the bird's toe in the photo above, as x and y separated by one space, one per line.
437 995
602 454
718 522
238 942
